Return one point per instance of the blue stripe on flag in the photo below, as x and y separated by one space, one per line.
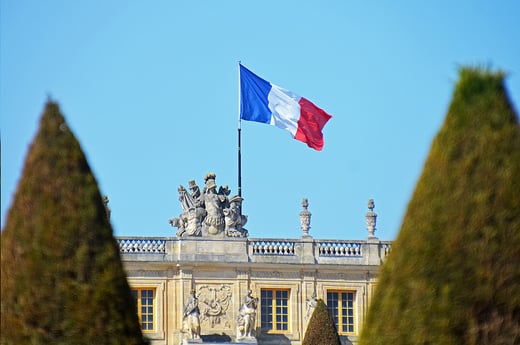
253 97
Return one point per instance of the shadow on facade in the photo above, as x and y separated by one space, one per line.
272 339
216 338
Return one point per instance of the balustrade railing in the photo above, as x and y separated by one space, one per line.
273 247
385 249
142 246
340 248
262 247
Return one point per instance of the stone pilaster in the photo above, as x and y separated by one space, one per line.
186 284
243 277
308 293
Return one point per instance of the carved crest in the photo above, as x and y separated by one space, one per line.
215 302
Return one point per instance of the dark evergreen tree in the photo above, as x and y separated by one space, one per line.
321 329
453 276
62 278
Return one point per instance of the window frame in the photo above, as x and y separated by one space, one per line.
344 310
139 307
363 292
275 306
159 304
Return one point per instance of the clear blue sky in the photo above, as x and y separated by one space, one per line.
150 90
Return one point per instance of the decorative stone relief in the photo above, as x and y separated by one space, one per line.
342 276
275 274
309 275
186 274
242 274
147 273
210 212
215 302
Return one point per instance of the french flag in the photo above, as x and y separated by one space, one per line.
262 101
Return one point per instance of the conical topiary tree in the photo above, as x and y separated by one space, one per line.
453 276
62 277
321 329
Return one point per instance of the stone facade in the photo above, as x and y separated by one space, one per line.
212 283
222 270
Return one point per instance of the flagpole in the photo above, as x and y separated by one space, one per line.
239 152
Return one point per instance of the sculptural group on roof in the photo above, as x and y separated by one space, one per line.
210 212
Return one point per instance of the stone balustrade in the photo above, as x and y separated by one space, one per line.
386 246
304 250
141 245
273 247
340 248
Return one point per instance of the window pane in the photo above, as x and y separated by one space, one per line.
341 306
145 307
274 309
267 294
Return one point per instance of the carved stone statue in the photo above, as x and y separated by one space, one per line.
247 317
213 202
192 221
189 223
210 212
311 304
191 320
195 193
185 199
234 219
107 209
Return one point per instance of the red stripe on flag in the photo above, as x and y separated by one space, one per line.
310 125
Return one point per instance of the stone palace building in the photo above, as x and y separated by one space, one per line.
213 283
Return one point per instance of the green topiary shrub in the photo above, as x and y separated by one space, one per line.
453 276
321 329
62 277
